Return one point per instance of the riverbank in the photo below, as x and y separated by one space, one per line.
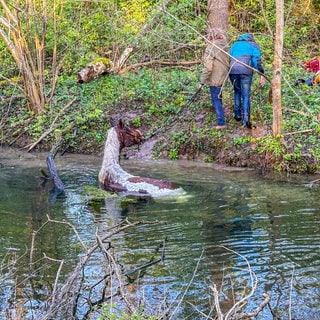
234 146
158 105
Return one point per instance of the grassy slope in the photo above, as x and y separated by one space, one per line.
155 99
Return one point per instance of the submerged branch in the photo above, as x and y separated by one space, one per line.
72 284
255 312
58 184
188 286
65 299
253 280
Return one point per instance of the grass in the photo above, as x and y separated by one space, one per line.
153 99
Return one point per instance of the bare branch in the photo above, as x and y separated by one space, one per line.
72 227
291 285
188 286
111 258
8 12
255 312
253 280
53 126
61 262
216 301
159 62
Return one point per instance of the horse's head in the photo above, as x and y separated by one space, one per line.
128 136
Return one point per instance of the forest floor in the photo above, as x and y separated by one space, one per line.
224 153
174 129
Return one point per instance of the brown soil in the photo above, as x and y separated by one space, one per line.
204 147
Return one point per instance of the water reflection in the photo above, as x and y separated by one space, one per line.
272 223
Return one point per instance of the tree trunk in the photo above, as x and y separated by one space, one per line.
277 65
218 14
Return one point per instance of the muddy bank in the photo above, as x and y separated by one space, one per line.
189 136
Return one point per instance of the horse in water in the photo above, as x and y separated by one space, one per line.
113 178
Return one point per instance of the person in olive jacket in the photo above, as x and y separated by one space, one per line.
215 71
245 59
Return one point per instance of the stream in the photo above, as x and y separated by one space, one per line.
246 233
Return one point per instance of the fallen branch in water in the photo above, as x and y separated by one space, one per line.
311 183
253 281
58 184
234 313
65 301
149 264
254 313
110 287
186 289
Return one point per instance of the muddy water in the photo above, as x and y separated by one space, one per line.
233 228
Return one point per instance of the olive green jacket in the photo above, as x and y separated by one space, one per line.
215 64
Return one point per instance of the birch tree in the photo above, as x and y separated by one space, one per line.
277 65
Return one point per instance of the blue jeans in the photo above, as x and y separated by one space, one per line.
309 81
216 99
242 90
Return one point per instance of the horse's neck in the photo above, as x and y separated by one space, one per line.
111 155
110 164
111 149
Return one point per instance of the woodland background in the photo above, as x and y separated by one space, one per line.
153 50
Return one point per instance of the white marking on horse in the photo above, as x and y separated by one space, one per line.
113 177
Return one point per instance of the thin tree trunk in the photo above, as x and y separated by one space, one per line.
277 66
31 64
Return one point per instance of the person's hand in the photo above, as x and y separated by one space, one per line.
262 80
200 85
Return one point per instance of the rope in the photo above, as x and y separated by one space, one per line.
213 44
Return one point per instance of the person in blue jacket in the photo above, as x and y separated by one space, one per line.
245 59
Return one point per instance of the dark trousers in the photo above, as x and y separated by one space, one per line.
216 99
242 91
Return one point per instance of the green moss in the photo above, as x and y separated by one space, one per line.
93 193
104 60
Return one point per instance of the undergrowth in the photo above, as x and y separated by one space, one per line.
158 99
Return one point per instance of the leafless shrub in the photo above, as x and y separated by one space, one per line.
63 298
78 297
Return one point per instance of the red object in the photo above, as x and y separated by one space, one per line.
312 65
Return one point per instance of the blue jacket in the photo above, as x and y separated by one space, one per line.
246 50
